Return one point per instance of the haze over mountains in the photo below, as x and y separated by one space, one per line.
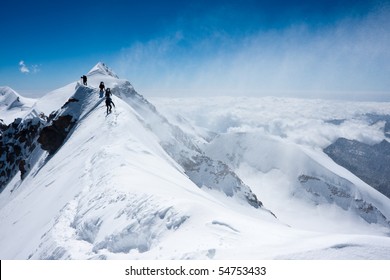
213 178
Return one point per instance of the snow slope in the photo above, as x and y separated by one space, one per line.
13 105
283 174
120 187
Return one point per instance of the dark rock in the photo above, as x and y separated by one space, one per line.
17 143
374 118
51 137
342 193
3 126
369 163
387 129
335 121
22 168
206 172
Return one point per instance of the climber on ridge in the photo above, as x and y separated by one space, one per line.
101 86
84 78
108 93
109 101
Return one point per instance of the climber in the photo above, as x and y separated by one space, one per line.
108 92
109 101
84 78
101 86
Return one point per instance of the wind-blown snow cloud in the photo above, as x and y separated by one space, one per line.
23 68
349 59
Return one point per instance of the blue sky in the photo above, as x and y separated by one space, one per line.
316 49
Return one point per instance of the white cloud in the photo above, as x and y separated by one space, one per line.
309 122
23 68
35 68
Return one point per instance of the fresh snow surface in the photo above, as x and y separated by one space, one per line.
112 191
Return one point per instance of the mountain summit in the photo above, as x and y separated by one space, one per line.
83 184
101 69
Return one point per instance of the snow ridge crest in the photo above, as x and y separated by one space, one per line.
102 69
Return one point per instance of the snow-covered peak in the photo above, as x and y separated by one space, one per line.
10 98
13 105
102 69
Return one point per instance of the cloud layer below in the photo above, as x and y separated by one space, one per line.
315 123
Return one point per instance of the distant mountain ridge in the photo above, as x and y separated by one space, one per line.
371 163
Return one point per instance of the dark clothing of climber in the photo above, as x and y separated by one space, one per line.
84 80
109 100
109 104
101 86
108 92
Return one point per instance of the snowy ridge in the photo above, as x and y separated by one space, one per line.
139 172
134 185
116 209
183 148
13 105
80 104
102 69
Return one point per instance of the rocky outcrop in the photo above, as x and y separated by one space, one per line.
62 121
17 142
375 118
343 194
206 172
51 137
20 139
387 129
371 163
